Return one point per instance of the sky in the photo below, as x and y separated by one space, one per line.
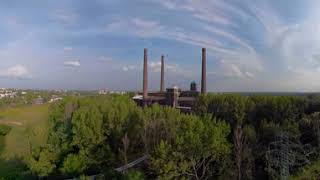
252 45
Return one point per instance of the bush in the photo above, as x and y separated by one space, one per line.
73 164
134 175
4 129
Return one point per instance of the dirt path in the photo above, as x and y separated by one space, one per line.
11 122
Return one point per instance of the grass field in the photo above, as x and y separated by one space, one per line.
29 128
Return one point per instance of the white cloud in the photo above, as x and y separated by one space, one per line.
231 70
105 59
125 68
249 74
235 71
281 43
155 66
254 40
16 72
296 45
128 68
75 63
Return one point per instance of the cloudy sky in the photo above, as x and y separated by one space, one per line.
261 45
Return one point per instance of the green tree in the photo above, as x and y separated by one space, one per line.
238 111
199 147
73 164
42 163
310 127
134 175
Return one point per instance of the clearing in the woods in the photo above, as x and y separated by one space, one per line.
29 129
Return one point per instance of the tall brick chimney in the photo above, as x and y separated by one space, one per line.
145 74
162 74
203 73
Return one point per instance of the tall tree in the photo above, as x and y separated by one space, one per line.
237 110
197 151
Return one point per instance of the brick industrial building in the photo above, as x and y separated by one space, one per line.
173 96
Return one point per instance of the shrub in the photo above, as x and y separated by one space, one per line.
73 164
4 129
134 175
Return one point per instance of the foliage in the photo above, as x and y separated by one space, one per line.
255 120
84 177
88 130
310 172
43 163
198 148
4 129
310 126
73 164
134 175
226 137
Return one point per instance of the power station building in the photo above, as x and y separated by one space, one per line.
174 97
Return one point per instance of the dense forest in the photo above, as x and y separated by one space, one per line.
226 137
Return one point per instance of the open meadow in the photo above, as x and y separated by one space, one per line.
29 129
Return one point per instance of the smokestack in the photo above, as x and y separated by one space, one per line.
162 74
203 75
145 74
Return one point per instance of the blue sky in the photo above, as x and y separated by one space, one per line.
262 45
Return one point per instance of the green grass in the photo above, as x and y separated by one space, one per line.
29 128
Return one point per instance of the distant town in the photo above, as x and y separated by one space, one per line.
28 96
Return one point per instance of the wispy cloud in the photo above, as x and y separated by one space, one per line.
136 26
250 44
293 44
237 50
229 70
210 11
75 63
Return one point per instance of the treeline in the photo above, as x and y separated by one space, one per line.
272 137
226 137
